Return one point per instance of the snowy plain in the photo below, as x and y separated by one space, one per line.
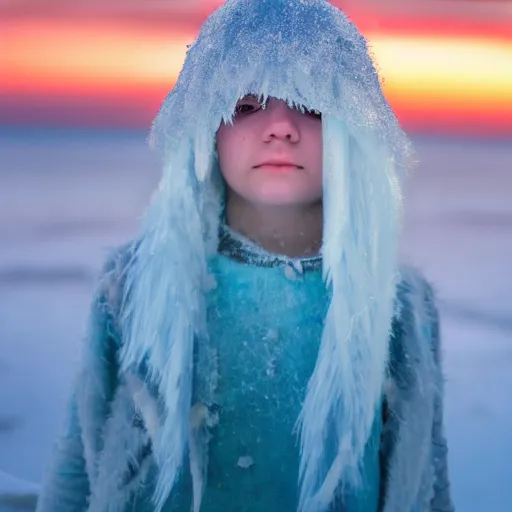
67 197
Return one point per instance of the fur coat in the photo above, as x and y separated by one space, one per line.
103 458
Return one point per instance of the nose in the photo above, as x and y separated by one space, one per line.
281 124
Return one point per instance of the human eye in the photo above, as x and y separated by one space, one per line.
248 105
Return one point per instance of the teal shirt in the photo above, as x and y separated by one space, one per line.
265 320
266 328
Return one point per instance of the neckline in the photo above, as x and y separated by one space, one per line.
239 248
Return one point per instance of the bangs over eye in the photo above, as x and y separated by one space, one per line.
251 103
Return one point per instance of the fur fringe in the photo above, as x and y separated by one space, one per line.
414 388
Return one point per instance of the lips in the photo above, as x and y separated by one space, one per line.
278 163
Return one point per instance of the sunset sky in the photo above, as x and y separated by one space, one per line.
109 63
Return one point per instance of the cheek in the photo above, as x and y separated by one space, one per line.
315 147
315 150
319 147
231 144
230 153
223 144
225 152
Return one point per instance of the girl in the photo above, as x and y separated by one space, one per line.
257 348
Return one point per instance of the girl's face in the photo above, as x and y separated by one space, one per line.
272 155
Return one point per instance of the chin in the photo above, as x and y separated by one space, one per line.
282 200
278 195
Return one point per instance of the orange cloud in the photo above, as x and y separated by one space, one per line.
457 82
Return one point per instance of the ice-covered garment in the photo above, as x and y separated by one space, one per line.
265 322
103 461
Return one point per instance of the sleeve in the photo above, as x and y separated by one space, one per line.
67 480
441 500
66 484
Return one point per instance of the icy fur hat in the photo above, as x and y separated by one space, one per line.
309 54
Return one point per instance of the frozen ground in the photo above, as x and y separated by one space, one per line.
66 198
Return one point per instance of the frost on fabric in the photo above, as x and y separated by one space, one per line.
245 462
